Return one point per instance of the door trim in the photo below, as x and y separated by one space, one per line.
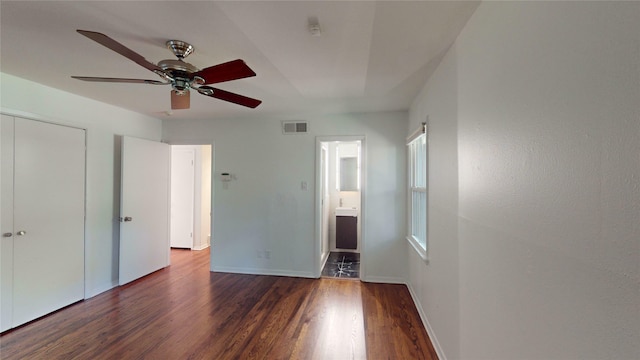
213 178
318 200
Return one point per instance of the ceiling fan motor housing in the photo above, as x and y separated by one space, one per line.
181 86
180 73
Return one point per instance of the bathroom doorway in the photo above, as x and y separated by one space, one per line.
340 187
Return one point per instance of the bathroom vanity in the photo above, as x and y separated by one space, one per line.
346 228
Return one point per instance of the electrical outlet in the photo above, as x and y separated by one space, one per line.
267 254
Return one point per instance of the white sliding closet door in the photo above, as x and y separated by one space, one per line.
48 218
144 209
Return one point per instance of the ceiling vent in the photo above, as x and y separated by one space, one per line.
295 127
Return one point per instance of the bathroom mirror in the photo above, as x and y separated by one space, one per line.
349 174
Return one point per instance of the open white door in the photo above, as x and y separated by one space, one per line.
182 196
144 209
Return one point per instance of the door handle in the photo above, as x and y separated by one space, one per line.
7 235
128 218
21 232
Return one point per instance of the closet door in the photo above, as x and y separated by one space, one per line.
48 223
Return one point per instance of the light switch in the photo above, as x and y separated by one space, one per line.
303 186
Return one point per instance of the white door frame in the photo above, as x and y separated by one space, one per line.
324 200
363 198
213 178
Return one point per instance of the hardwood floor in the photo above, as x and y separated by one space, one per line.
187 312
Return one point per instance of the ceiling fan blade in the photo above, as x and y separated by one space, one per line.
232 70
120 80
179 102
106 41
229 96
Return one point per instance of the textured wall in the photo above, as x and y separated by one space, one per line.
544 96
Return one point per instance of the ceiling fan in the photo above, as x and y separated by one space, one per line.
181 75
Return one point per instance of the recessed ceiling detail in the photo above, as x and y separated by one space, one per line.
371 56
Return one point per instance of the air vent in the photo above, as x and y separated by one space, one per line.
294 127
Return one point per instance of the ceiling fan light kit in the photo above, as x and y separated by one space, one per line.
181 75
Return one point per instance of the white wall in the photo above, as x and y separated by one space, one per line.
436 286
537 106
265 209
104 124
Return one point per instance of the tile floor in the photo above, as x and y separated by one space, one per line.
342 265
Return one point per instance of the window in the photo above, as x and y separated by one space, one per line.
417 189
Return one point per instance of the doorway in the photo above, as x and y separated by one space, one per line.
190 219
340 202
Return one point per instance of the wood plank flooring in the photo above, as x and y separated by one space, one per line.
187 312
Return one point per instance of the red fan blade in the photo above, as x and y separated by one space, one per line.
179 102
231 97
106 41
120 80
231 70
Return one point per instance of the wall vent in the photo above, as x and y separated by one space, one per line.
295 127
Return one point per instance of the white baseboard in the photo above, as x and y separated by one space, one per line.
324 262
425 322
270 272
201 247
99 289
384 280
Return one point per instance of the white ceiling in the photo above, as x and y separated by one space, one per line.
371 56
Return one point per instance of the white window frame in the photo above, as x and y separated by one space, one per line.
417 185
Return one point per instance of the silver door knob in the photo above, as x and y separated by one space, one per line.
7 235
21 232
128 218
